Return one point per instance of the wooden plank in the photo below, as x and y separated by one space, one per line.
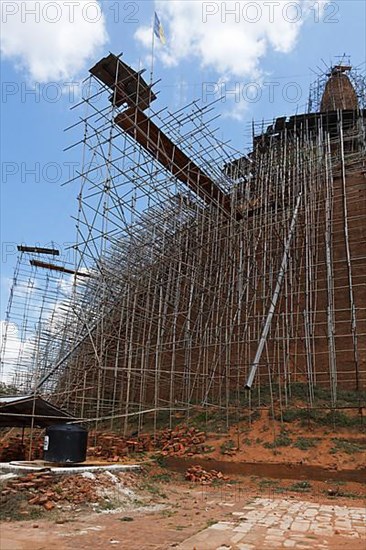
129 87
134 122
54 267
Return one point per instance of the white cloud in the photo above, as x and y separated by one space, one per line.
230 37
6 284
55 41
10 346
65 285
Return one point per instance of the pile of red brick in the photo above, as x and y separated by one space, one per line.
14 449
181 441
198 475
112 447
178 441
171 442
46 489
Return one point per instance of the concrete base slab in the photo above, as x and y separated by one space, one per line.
37 466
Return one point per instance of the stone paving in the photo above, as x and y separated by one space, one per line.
284 523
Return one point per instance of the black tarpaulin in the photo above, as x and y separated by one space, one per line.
18 411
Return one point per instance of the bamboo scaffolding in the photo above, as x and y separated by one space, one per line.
185 300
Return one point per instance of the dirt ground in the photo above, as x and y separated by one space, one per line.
167 511
159 509
326 447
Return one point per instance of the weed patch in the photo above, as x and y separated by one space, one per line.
331 418
163 478
347 446
153 489
267 483
305 443
15 508
300 487
228 447
282 440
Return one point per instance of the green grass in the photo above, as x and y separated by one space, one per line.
216 421
153 489
108 504
227 446
267 483
338 493
347 446
305 443
219 482
282 440
300 392
271 485
13 505
300 487
163 478
160 460
337 418
280 490
276 487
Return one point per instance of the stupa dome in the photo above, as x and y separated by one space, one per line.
339 92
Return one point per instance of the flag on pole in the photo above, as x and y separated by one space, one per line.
158 29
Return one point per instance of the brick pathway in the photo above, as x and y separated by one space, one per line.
282 523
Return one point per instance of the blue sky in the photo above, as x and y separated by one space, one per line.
208 53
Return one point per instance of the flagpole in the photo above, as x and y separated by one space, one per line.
152 51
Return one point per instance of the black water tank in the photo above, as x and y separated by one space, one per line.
65 443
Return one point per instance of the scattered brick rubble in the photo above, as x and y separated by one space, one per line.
47 489
198 475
